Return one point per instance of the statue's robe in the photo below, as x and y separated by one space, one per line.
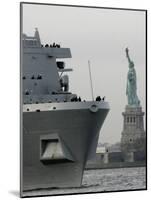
131 90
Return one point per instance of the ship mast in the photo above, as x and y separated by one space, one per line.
91 80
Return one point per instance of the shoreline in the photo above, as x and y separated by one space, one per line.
115 165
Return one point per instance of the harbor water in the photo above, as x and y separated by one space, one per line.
101 180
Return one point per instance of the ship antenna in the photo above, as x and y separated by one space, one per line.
90 80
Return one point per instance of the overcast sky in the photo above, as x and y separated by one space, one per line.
101 36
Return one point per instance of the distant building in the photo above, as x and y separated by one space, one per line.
101 150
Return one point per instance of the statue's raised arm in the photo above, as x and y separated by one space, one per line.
127 55
131 89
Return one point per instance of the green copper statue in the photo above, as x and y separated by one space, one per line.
131 90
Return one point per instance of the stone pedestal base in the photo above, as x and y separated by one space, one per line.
133 134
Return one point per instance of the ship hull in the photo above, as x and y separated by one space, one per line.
77 131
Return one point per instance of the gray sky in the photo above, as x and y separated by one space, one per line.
101 36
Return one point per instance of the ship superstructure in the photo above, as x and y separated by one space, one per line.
60 131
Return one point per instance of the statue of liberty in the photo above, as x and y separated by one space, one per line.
131 89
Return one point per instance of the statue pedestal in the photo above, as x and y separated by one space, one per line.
133 134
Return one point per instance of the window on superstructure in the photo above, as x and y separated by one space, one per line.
31 42
34 42
134 119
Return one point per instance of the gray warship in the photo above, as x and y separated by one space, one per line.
60 131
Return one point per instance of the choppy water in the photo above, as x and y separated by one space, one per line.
104 180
